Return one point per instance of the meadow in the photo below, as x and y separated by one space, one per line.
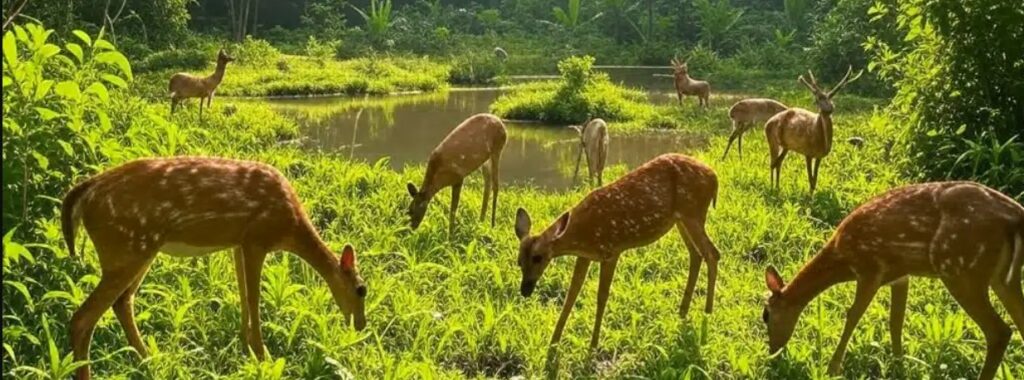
440 305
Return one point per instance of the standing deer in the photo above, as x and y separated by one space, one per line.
477 140
634 211
189 207
803 131
689 86
969 236
593 142
745 114
184 85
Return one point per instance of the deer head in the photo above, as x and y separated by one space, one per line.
223 58
418 206
822 98
351 299
680 67
536 252
779 315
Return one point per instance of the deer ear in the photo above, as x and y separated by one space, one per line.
773 280
561 224
348 258
522 223
412 189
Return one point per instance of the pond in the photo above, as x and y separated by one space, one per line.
405 129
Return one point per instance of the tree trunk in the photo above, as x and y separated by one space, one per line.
255 15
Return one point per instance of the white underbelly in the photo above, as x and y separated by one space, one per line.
184 250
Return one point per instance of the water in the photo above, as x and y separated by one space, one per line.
407 128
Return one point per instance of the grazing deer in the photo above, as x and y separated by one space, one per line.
745 114
477 140
634 211
184 85
189 207
969 236
689 86
803 131
593 142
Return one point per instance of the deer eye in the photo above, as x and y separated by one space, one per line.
537 259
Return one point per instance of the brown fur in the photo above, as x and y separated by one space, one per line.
191 206
183 85
689 86
746 113
593 144
961 232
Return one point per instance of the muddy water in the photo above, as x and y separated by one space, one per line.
406 129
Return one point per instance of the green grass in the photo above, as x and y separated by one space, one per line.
448 306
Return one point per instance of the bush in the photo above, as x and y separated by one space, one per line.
180 59
837 43
321 51
476 68
255 52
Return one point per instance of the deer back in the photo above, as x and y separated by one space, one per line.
465 149
799 130
757 109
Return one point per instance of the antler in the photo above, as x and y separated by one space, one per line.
846 80
810 86
675 60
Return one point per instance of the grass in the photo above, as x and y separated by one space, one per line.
448 306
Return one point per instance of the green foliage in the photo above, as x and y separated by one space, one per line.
718 20
321 52
254 52
188 59
154 23
571 17
959 88
837 43
476 68
378 18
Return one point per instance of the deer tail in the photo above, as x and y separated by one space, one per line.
70 214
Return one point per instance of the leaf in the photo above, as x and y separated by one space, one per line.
83 36
75 50
42 160
105 125
21 288
117 59
43 88
114 80
69 90
8 81
104 45
68 149
48 51
100 90
10 49
47 114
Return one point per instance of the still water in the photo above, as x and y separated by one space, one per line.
406 129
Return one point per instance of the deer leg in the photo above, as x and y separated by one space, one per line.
578 275
495 161
708 251
486 171
118 275
810 172
576 172
691 280
866 290
814 182
739 144
125 311
897 313
1013 299
735 134
603 289
253 264
174 104
591 173
456 191
242 295
777 164
974 300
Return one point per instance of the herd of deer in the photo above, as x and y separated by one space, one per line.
969 236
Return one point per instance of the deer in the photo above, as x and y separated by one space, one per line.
968 235
593 142
190 207
477 140
185 85
745 114
671 190
689 86
803 131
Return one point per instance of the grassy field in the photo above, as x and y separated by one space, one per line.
443 306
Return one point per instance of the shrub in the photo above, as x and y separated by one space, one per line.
181 59
321 52
475 68
255 52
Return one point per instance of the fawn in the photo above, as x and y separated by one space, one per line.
477 140
593 142
184 85
634 211
689 86
745 114
969 236
803 131
188 207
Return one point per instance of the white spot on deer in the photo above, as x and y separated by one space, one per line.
961 260
194 170
156 236
902 236
953 236
142 221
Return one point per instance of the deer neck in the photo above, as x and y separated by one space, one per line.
218 74
824 124
822 272
314 252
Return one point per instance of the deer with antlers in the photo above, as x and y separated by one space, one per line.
185 85
969 236
745 114
593 143
671 190
803 131
476 141
187 207
689 86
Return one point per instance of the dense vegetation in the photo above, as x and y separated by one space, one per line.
91 94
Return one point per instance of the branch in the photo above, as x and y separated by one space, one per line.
14 14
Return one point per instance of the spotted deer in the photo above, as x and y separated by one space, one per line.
749 112
803 131
477 140
187 207
671 190
969 236
689 86
594 143
185 85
